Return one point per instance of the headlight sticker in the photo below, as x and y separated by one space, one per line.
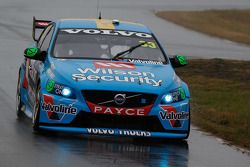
57 89
54 88
178 95
182 93
50 85
175 95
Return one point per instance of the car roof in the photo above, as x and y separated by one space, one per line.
102 24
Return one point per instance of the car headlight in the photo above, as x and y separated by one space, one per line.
168 98
174 96
66 92
59 89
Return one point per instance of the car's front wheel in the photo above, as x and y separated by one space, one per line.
36 111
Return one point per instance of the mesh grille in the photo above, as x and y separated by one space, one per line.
106 98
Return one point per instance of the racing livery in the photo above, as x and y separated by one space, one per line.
102 77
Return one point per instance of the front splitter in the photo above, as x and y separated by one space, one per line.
116 132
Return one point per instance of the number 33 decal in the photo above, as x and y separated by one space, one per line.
149 45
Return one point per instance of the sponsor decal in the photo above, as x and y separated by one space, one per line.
178 94
59 108
120 65
56 112
58 89
97 109
110 75
134 133
43 24
144 61
151 45
182 93
175 118
99 131
55 88
107 32
50 85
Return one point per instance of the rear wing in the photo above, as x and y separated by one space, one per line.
39 24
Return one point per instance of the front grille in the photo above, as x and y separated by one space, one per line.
106 98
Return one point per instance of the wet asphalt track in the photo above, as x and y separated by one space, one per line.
19 147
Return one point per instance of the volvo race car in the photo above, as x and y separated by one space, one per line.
102 77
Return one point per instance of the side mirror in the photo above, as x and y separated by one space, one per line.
178 61
35 53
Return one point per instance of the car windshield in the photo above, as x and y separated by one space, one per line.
106 44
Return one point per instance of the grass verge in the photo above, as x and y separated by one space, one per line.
220 91
233 25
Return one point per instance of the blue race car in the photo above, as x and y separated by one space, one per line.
102 77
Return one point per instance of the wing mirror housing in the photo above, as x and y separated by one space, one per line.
35 54
178 61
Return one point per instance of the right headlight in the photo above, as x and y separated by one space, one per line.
175 95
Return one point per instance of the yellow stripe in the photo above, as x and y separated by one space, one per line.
104 24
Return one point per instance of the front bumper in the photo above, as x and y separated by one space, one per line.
116 132
72 115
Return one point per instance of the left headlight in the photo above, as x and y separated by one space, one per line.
174 96
59 89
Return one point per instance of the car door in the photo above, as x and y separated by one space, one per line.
34 65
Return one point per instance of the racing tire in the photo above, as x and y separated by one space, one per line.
36 111
19 104
189 124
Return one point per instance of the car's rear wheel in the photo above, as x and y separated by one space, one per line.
19 103
36 111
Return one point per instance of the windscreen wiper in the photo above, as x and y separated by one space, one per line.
120 54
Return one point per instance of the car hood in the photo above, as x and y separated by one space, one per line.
114 75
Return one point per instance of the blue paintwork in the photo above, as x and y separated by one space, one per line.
61 71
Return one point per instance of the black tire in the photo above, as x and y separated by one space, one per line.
189 124
19 104
36 111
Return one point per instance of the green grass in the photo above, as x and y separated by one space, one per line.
220 91
233 25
